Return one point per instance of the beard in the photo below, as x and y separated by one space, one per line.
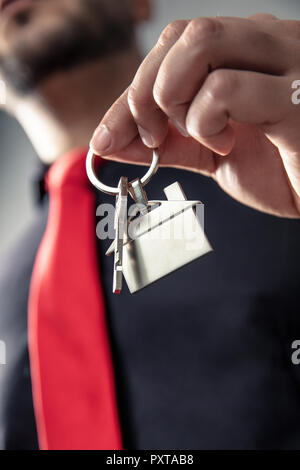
56 35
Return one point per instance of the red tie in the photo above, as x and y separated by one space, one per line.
71 366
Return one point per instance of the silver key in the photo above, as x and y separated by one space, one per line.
158 238
121 229
164 237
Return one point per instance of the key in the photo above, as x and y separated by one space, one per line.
139 195
164 237
159 237
121 229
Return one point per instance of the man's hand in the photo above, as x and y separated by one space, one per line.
215 95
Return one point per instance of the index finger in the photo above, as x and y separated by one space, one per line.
136 111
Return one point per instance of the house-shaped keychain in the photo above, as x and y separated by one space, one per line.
166 236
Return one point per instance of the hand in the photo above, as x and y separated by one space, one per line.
215 95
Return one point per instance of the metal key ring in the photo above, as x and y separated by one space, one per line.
114 190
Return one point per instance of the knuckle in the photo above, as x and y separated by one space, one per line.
160 96
262 17
265 40
220 84
201 29
195 121
164 98
172 32
136 98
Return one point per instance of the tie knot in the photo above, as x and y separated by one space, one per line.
68 170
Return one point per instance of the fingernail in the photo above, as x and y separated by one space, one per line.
101 140
180 129
146 137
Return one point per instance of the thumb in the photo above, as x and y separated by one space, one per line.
176 151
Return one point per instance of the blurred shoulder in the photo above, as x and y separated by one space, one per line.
17 423
17 262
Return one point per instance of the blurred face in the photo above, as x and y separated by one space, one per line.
41 37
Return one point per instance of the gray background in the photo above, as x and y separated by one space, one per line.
16 154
